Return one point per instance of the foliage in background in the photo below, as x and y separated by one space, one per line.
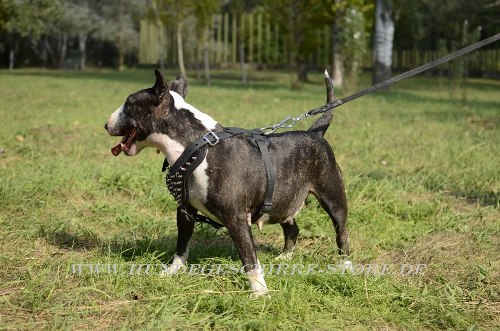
68 33
22 19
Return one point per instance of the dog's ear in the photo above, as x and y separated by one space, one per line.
160 89
180 85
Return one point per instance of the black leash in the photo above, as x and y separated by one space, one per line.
405 75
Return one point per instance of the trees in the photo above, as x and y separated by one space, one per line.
203 11
354 42
348 21
120 25
171 12
23 18
300 35
295 19
78 18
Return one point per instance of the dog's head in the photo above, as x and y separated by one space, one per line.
143 113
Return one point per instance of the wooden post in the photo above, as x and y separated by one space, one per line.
219 40
235 35
327 47
276 43
268 41
318 47
250 37
226 36
259 38
242 38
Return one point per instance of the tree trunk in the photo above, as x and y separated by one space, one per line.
51 58
62 50
82 46
180 52
12 51
197 61
302 71
159 40
296 53
206 59
207 65
121 38
242 64
241 42
43 51
337 65
384 35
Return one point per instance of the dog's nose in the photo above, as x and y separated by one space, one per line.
106 126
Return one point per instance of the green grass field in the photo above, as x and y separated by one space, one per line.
422 173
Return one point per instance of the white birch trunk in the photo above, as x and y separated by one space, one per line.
384 36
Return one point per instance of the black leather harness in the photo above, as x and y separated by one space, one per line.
194 154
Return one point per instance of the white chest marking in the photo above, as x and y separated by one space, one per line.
198 182
171 148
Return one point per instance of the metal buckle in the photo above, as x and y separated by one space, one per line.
211 135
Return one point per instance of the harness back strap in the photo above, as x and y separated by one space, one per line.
262 143
195 153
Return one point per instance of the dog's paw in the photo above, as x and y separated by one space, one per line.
347 265
260 294
284 256
172 270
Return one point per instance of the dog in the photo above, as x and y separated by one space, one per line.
230 183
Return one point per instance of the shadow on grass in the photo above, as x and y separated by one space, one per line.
443 114
140 76
484 199
205 243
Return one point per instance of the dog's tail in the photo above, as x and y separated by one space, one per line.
321 124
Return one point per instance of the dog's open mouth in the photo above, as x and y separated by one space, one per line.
126 143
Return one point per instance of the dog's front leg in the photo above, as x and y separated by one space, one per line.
185 227
242 237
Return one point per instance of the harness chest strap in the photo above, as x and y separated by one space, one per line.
194 154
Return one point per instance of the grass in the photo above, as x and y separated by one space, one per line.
422 176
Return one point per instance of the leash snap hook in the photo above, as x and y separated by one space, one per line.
211 138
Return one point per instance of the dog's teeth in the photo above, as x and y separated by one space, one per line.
188 164
193 158
182 169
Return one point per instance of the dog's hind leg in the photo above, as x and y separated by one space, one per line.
333 200
242 237
185 227
291 232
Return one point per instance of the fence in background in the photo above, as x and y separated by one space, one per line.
265 44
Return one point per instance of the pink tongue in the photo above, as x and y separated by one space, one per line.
124 144
117 149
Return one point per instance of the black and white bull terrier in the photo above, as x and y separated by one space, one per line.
229 185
